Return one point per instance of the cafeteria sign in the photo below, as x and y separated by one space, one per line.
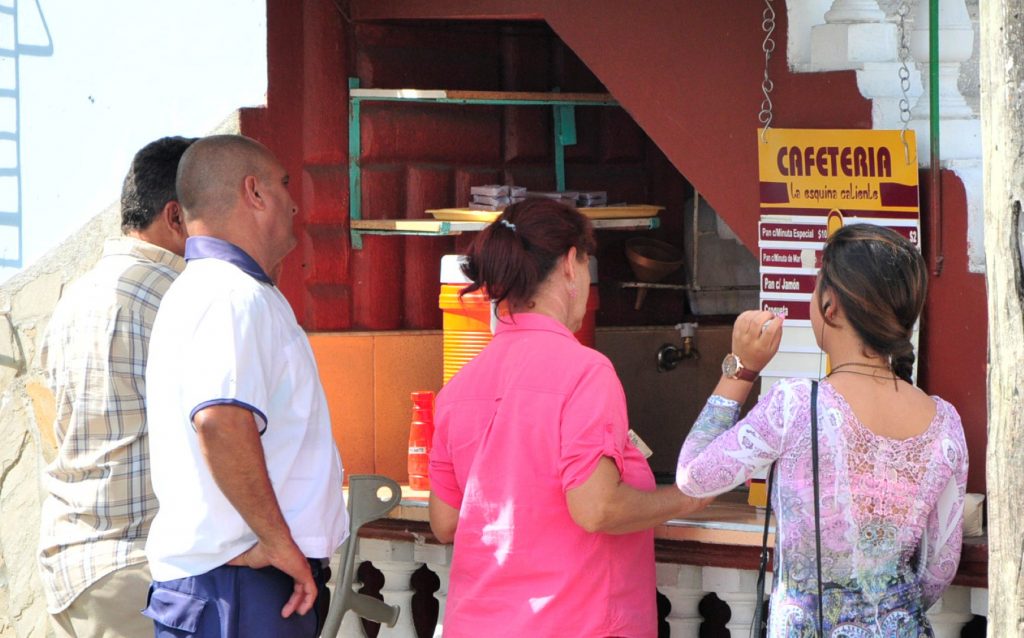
812 182
859 171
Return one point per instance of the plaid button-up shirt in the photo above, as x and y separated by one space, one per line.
100 501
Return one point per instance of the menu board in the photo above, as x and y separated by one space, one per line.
813 182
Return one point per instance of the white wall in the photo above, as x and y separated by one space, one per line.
121 73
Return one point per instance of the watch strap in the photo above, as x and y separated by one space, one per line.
746 374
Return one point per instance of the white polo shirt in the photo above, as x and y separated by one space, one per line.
225 334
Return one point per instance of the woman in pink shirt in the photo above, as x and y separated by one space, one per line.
533 475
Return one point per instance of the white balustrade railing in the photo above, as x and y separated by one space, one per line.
683 585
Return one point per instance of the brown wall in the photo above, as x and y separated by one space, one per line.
368 377
663 405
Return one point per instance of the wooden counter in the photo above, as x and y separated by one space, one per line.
727 521
725 534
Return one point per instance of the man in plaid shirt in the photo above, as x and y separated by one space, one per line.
100 502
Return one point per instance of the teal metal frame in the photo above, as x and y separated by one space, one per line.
564 128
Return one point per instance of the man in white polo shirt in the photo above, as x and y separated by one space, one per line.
243 461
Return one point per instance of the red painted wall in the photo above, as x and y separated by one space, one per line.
416 157
954 335
688 73
305 124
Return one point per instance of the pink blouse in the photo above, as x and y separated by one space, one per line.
891 510
521 424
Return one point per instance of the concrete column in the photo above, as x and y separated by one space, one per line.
351 626
736 588
396 561
683 586
951 613
959 127
979 601
956 44
849 11
855 32
438 558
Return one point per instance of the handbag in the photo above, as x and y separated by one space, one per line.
759 625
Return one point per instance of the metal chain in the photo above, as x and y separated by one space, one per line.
902 10
768 46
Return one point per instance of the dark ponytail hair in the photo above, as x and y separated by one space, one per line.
880 279
512 256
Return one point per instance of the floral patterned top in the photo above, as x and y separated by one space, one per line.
891 510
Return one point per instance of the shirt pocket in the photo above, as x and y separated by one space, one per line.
175 609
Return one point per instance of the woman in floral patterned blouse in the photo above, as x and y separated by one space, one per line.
892 460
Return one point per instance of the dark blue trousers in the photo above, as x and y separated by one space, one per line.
236 602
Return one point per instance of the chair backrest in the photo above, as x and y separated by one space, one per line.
369 497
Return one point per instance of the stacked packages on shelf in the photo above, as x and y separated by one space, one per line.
579 199
590 199
495 197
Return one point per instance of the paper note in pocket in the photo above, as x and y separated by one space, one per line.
635 439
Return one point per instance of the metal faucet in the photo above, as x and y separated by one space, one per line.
670 355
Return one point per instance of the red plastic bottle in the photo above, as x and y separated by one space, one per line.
421 436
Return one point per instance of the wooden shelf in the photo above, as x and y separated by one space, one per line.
563 108
434 227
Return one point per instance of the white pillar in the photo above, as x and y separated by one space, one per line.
736 588
854 11
683 586
951 613
956 44
855 32
959 127
351 625
979 601
395 560
438 558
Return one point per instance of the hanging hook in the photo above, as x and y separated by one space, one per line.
902 10
768 46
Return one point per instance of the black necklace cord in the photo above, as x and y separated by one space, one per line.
860 365
891 375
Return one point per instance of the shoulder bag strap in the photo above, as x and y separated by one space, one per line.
759 612
817 498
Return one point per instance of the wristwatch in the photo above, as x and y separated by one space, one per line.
733 368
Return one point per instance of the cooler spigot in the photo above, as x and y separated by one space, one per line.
669 355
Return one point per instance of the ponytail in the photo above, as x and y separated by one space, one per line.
512 256
880 280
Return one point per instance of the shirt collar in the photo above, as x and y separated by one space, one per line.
206 247
531 321
140 249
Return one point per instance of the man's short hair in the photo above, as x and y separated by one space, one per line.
211 172
149 184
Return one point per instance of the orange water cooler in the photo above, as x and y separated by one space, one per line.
468 322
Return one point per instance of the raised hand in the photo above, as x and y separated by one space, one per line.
755 337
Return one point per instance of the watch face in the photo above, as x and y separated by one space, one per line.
730 365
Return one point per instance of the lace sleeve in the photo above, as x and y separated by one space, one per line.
720 453
943 534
